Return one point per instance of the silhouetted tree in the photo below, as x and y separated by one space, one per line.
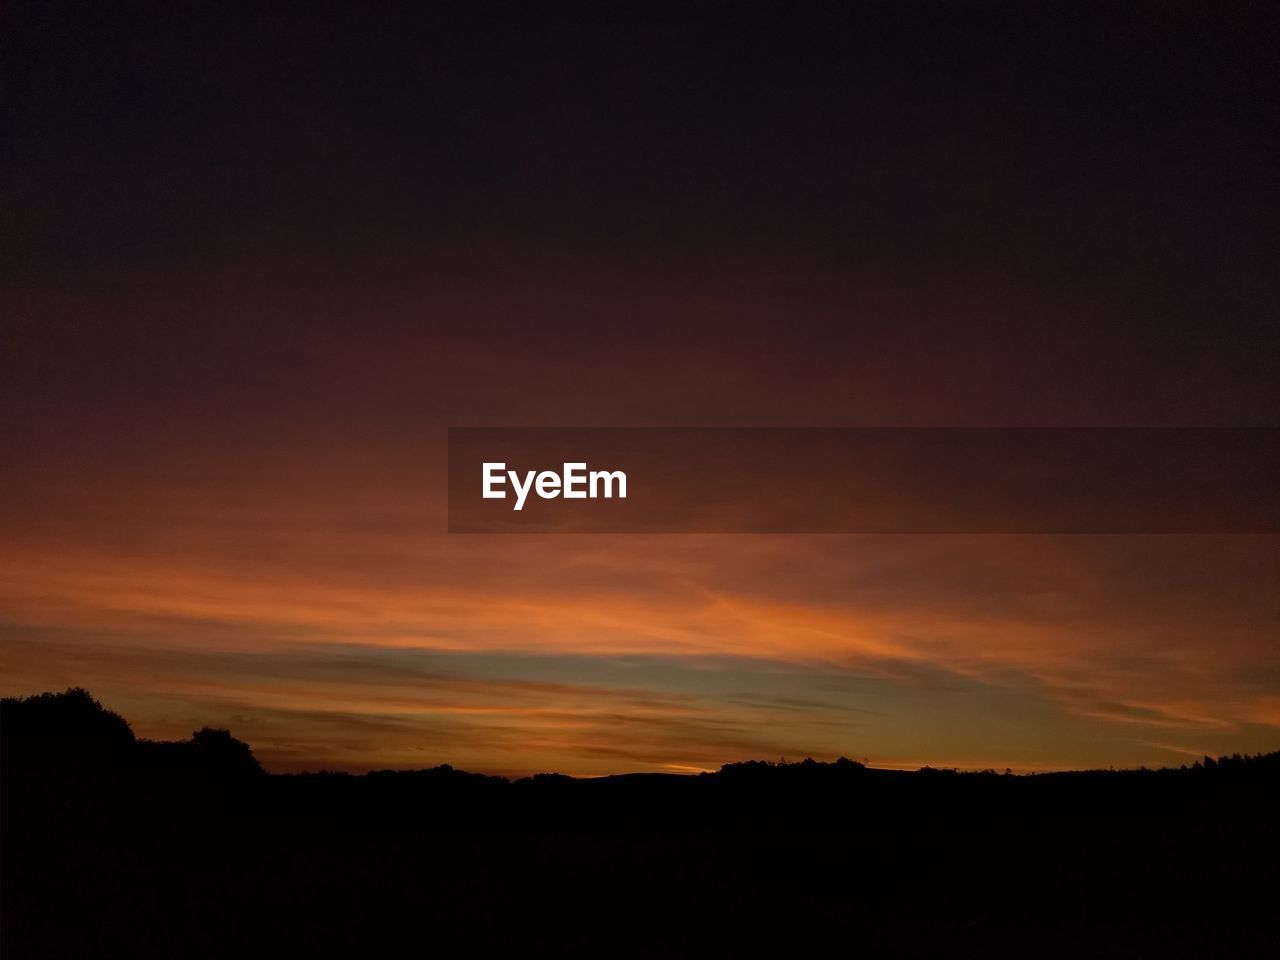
221 753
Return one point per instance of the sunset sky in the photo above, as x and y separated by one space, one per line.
254 267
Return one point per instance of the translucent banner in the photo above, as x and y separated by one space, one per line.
790 480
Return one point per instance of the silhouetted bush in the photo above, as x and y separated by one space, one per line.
73 716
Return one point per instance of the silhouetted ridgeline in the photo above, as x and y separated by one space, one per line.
116 846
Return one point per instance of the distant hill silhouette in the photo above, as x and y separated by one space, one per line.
118 846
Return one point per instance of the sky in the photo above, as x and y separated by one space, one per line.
256 262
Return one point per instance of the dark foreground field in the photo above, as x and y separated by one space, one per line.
114 847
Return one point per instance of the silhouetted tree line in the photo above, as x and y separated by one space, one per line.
119 846
52 733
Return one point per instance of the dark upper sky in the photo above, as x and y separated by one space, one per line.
1095 138
1113 163
1096 181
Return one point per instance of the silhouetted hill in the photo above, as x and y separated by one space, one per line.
115 846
